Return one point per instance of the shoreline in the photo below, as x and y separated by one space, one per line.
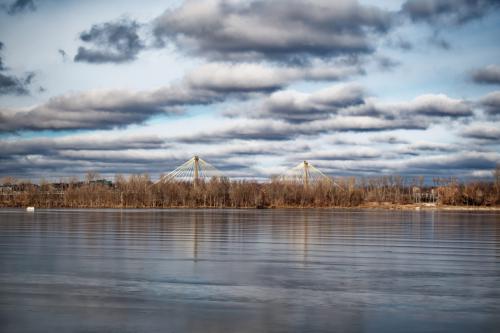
367 206
428 207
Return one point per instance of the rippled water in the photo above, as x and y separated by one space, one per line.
249 271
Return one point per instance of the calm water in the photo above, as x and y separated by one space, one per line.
249 271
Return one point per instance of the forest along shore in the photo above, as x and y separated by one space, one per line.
138 191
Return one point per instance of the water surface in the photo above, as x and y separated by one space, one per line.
249 271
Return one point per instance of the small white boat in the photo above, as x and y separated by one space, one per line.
30 209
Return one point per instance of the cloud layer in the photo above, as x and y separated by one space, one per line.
101 109
354 88
281 30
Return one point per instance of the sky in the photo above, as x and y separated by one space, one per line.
357 88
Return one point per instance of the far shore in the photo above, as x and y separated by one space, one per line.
367 206
425 206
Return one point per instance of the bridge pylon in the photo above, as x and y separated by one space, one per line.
194 170
306 174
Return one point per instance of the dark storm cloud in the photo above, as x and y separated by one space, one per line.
13 85
20 6
112 42
289 30
491 103
487 75
448 12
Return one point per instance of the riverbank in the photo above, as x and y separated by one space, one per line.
140 192
379 206
425 206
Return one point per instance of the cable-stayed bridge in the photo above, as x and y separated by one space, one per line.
304 173
193 170
196 169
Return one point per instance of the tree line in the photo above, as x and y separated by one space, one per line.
138 191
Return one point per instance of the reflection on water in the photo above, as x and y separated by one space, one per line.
249 271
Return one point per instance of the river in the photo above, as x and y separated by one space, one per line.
228 270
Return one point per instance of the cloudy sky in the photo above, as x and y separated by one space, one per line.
363 88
